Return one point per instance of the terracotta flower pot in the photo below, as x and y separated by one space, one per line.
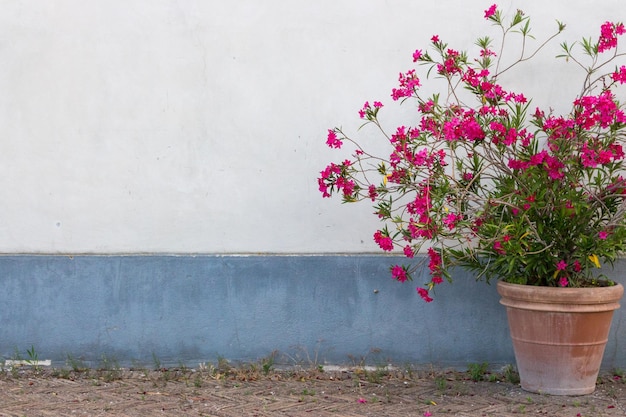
559 334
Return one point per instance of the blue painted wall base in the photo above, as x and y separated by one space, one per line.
194 309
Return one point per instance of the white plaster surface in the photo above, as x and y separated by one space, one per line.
138 126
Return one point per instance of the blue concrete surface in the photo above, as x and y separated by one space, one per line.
194 309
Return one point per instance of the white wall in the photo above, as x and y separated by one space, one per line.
199 126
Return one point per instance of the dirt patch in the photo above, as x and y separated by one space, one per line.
254 391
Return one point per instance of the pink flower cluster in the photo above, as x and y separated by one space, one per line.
383 240
409 82
620 75
332 140
483 177
608 36
367 111
334 175
491 11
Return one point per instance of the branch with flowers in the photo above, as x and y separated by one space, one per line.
484 182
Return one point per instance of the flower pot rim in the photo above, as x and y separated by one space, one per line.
557 295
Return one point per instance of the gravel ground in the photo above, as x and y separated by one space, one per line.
264 391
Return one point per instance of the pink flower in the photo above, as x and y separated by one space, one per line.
332 140
365 110
490 11
608 35
538 158
409 82
518 165
561 265
577 266
450 220
328 176
435 38
620 75
603 235
347 186
399 273
424 294
519 98
362 400
372 193
384 242
497 247
563 282
417 55
435 260
408 251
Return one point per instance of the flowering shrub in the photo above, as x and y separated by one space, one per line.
486 182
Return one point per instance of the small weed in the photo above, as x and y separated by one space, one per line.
223 366
107 363
32 359
17 356
62 373
156 362
511 375
440 383
111 369
611 392
77 365
33 356
361 361
267 363
166 375
460 388
357 362
376 376
477 370
183 368
247 372
308 392
303 358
